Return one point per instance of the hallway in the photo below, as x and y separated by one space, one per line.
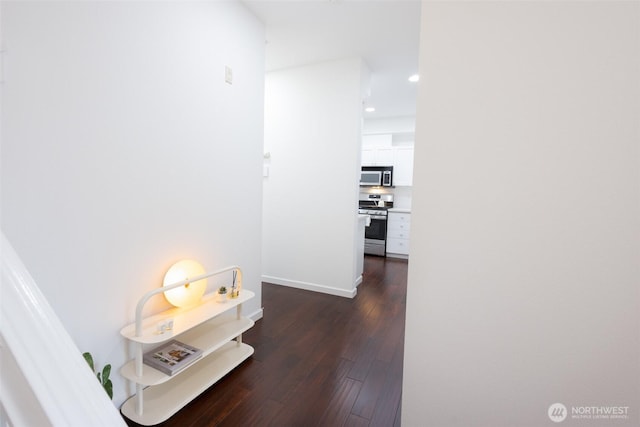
319 360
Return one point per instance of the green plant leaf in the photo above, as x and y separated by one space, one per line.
89 359
104 378
106 371
108 387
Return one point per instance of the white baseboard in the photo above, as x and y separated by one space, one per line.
256 315
311 286
358 281
399 256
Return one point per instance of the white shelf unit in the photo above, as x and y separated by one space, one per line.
210 326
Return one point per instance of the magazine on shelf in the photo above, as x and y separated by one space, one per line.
172 357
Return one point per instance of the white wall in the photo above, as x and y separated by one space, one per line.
312 130
124 150
389 125
524 272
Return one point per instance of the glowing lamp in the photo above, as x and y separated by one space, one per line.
189 294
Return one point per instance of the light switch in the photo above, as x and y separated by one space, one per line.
228 75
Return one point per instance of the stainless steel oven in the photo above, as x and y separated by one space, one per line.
375 235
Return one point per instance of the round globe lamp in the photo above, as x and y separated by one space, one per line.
189 294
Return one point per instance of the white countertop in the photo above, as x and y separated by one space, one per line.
400 210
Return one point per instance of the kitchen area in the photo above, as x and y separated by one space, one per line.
385 186
327 113
317 137
386 228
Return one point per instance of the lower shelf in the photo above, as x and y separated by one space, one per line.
164 400
220 331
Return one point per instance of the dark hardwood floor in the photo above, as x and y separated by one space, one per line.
319 360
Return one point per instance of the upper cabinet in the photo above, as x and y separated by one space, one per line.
403 166
381 156
378 150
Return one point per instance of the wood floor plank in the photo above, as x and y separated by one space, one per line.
371 390
262 416
319 360
356 421
339 409
390 397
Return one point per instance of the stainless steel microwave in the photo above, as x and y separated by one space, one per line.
376 176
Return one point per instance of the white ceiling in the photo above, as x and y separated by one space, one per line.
384 33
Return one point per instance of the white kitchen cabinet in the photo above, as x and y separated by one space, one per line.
210 326
401 158
398 229
377 140
379 156
368 157
403 166
377 150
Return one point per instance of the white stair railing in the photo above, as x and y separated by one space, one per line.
44 379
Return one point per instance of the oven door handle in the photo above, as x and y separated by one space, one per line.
378 217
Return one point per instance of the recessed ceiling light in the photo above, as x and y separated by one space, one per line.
369 109
414 78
